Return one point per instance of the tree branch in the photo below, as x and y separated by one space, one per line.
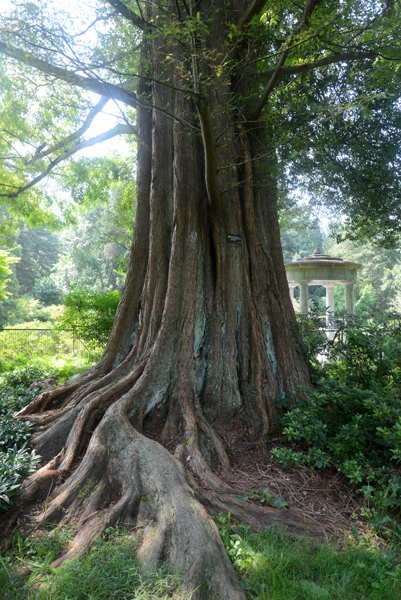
253 9
108 90
117 130
328 60
309 8
128 14
73 136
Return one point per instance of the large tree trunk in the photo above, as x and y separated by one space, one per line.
203 342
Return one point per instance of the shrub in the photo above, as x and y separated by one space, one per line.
89 314
352 420
17 461
15 465
47 291
26 309
314 341
21 378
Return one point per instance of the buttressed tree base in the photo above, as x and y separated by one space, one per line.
205 335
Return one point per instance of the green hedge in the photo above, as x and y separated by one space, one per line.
352 419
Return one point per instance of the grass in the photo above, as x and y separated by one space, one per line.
274 566
271 566
109 570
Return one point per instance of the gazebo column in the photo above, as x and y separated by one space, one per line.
329 305
291 287
303 300
349 298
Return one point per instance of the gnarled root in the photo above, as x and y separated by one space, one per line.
110 472
152 491
90 438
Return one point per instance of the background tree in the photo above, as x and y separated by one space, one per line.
34 253
6 260
97 250
47 291
96 246
357 152
39 252
10 256
203 342
91 249
377 288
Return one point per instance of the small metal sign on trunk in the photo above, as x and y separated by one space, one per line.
234 238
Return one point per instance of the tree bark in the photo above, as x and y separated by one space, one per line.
203 335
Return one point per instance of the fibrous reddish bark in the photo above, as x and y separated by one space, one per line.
203 330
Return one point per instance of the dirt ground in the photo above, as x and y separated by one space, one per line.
324 495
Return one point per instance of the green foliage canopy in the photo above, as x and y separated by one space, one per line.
328 94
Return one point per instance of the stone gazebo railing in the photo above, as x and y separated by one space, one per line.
329 271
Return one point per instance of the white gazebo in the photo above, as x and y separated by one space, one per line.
329 271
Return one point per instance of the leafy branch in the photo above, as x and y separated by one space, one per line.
117 130
308 10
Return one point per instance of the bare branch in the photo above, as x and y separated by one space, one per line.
108 90
117 130
270 85
309 8
17 137
74 136
253 9
128 14
103 18
328 60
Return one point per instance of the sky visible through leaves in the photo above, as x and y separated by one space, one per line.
108 117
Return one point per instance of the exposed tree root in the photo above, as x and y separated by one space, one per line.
127 477
90 438
153 492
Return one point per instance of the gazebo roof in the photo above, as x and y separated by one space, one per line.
322 269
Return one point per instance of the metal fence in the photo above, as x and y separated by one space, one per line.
40 342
